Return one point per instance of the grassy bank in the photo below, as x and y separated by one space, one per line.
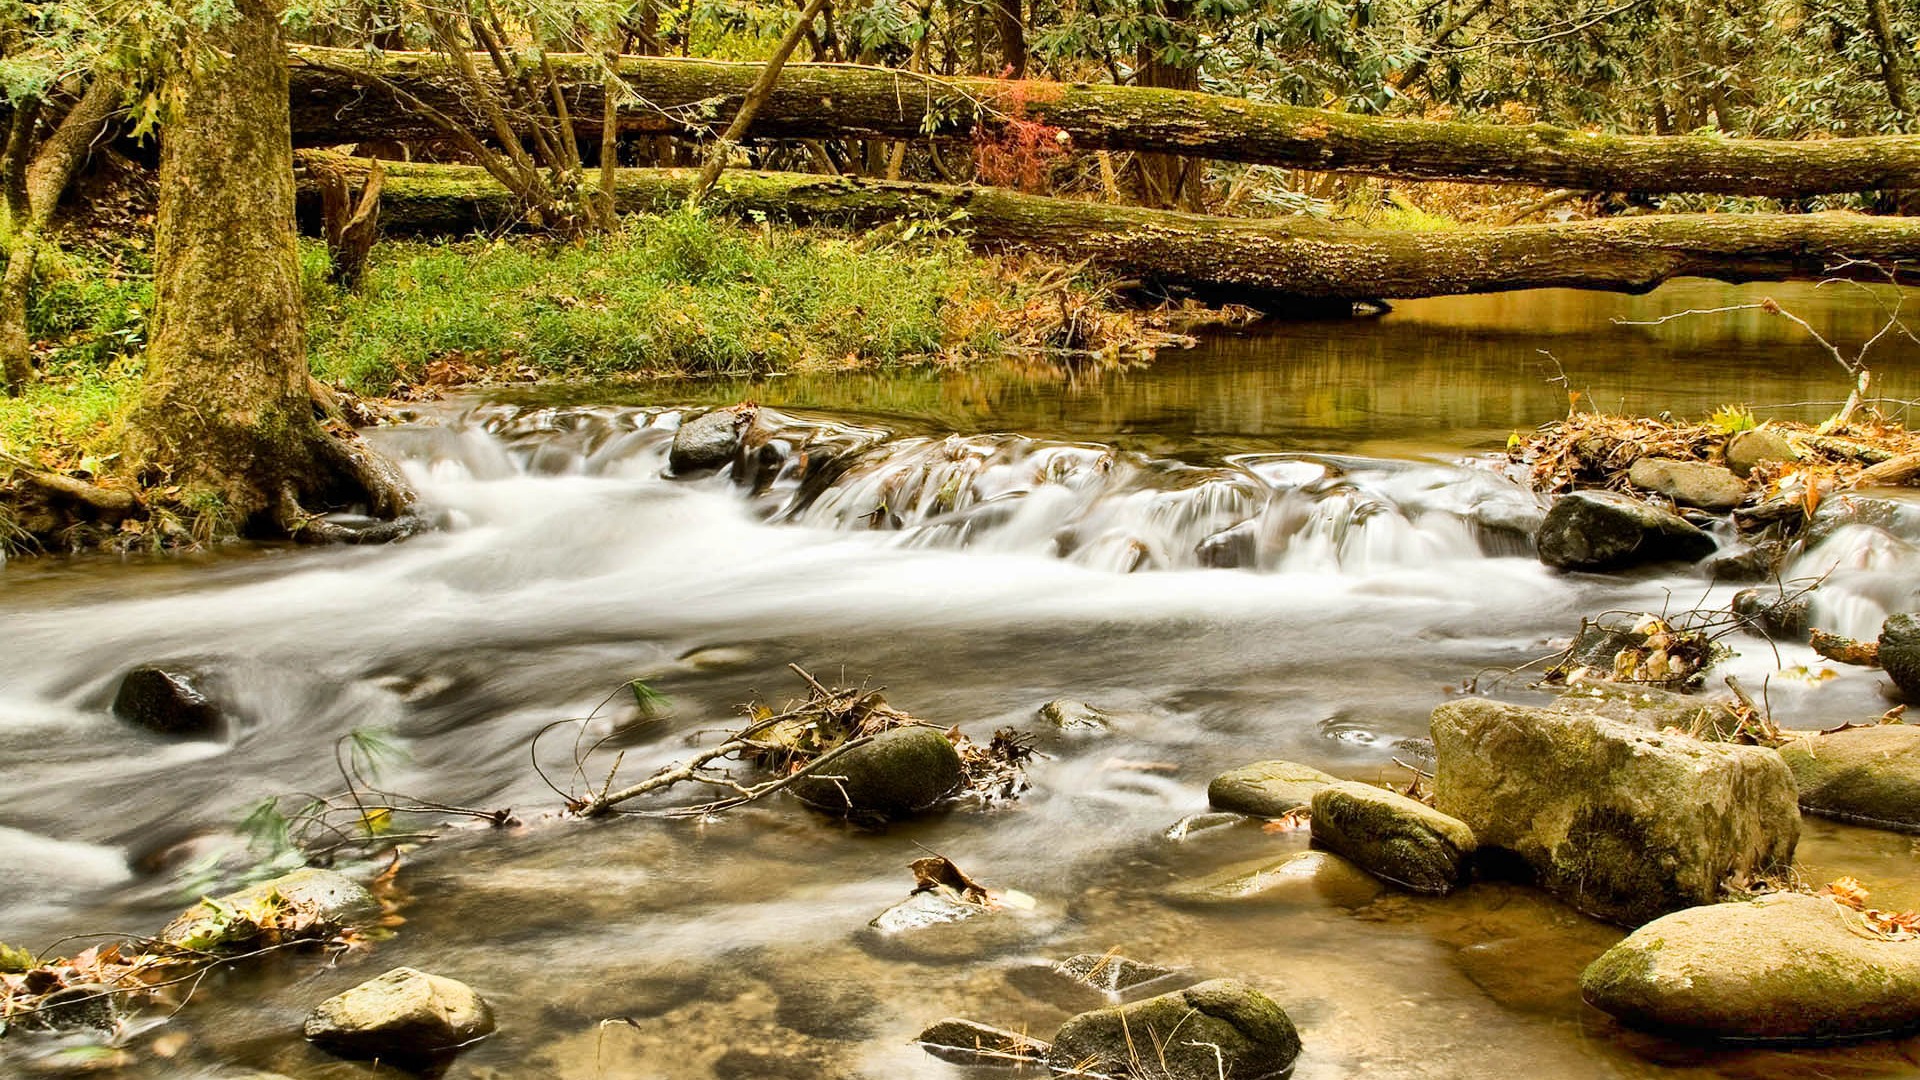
684 295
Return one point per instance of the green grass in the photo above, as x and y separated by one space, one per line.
679 295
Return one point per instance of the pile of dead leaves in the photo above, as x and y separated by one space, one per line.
1894 926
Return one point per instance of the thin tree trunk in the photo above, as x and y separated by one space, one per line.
332 105
756 97
1268 263
1890 53
1010 26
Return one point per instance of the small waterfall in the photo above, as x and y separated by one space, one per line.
1093 505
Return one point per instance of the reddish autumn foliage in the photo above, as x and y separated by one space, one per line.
1018 151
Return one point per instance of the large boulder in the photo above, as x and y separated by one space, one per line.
899 772
1392 837
1689 483
1215 1028
1267 788
405 1015
1622 822
1787 967
1900 653
709 441
320 902
169 702
1604 530
1869 775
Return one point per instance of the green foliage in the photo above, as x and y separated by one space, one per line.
683 294
1732 419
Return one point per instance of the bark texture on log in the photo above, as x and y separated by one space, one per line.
336 99
1268 262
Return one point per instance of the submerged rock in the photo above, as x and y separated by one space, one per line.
1604 530
1747 449
1215 1028
169 702
1392 837
1267 788
900 772
1315 876
1900 653
1689 483
1869 775
1075 717
1109 974
1743 561
965 1042
709 441
1621 822
74 1008
1787 967
404 1015
329 900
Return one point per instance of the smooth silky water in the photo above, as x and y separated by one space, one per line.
1005 536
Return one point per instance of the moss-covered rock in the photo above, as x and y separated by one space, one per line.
900 772
1392 837
1605 530
1267 788
317 902
1786 967
1215 1027
1900 653
1622 822
1869 775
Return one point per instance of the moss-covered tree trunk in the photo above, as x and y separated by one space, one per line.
1267 263
226 411
338 98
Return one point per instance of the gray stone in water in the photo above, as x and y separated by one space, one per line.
1869 775
1315 877
337 901
169 702
1392 837
1745 562
1747 449
709 441
72 1008
1267 788
1215 1028
1604 530
1899 516
1071 716
964 1042
1109 974
1620 821
403 1015
1784 968
1900 653
900 772
1689 483
1231 548
1771 614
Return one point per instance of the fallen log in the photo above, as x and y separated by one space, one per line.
1266 263
337 98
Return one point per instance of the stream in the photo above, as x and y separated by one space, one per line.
998 537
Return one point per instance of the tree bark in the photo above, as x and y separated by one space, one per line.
763 88
336 100
225 411
1890 53
1273 264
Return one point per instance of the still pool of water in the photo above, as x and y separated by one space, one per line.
976 575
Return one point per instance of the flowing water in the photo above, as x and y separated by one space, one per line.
1290 544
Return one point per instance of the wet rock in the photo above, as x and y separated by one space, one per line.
1898 516
1109 974
1787 967
1747 449
1780 617
1900 653
1596 646
1219 1027
1231 548
1267 788
709 441
74 1008
1621 822
1075 716
1604 530
1392 837
169 702
937 928
1194 824
1689 483
1869 775
403 1016
333 900
1315 876
900 772
1745 562
964 1042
